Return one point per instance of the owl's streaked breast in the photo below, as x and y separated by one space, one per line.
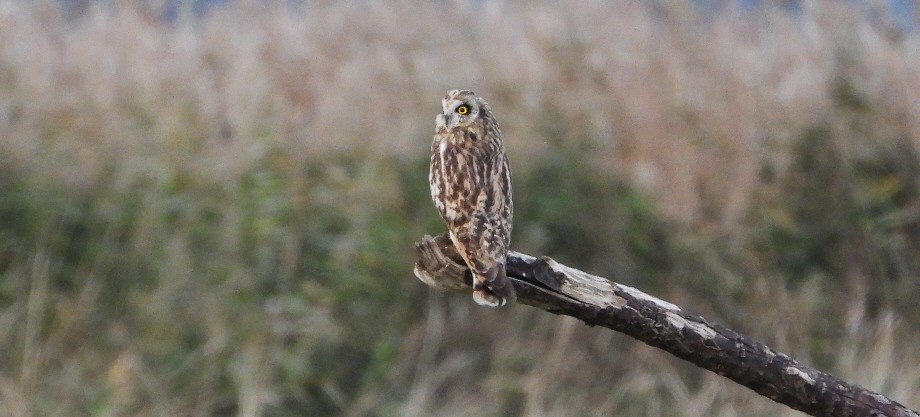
448 181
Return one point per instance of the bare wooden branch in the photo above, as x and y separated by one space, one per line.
556 288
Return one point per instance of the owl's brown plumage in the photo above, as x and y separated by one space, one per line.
471 186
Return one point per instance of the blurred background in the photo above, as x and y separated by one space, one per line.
208 208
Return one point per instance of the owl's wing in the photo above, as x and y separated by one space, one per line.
482 244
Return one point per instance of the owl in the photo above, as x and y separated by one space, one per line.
471 187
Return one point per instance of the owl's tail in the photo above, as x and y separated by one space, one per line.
493 288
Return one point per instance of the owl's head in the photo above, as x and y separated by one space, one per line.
461 108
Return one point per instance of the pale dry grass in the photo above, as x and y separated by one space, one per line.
216 123
684 109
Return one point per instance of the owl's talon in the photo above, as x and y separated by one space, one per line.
486 298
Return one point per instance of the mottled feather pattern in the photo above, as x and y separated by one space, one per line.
471 187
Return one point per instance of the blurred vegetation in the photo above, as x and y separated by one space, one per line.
215 215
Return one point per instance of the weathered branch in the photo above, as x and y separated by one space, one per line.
556 288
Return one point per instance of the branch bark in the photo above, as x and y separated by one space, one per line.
556 288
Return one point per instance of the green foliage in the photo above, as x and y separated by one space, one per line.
583 216
842 216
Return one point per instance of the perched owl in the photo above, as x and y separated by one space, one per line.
471 187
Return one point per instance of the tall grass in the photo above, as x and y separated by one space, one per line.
213 215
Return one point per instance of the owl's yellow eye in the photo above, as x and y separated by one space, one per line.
463 109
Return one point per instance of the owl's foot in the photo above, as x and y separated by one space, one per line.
486 297
493 288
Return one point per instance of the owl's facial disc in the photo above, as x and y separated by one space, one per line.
458 113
